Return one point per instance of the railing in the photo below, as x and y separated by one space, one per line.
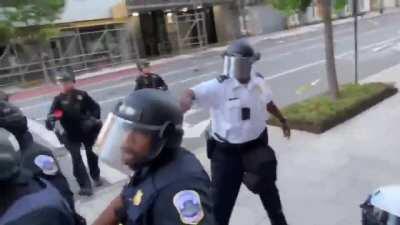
82 52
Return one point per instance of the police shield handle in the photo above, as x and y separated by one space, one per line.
108 152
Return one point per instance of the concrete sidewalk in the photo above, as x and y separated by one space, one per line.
322 178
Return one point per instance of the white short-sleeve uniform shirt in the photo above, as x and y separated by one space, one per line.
225 101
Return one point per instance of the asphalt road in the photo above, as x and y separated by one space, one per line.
289 64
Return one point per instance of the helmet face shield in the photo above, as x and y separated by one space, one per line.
114 135
239 67
109 141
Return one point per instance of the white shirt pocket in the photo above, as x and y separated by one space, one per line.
233 111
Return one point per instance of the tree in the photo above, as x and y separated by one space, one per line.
290 7
29 24
27 20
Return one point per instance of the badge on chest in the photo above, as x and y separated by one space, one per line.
137 199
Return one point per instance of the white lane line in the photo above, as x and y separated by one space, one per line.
214 63
207 74
293 70
274 76
118 98
277 56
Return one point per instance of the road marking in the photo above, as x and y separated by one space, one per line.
211 63
382 47
274 76
293 70
271 59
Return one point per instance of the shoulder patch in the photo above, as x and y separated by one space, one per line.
259 75
222 78
189 207
47 164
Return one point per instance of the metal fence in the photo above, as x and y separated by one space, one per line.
191 30
80 51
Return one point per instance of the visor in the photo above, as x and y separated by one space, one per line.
375 216
239 67
112 136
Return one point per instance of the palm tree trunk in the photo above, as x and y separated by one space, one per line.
330 49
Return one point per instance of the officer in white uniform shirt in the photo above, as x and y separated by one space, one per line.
239 103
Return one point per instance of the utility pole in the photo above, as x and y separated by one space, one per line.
355 14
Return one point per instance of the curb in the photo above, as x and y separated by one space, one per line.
342 116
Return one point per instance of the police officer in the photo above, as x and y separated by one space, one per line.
36 158
238 143
79 115
147 79
169 186
382 207
24 198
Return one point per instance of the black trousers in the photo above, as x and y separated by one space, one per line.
228 171
78 167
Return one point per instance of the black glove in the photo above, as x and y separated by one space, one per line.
50 123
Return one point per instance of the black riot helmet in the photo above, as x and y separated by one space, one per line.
10 157
64 76
149 111
240 48
239 59
13 120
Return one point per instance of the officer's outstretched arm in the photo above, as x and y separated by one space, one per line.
186 100
184 202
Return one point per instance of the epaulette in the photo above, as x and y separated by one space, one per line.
259 75
222 78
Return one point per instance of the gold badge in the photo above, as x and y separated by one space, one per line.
138 198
